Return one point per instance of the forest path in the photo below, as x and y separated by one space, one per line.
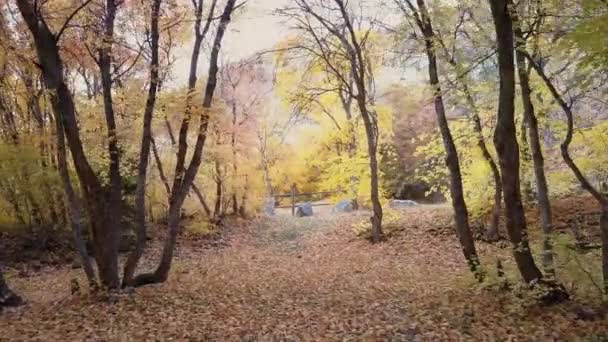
286 279
277 278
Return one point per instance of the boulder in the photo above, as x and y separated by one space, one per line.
304 210
345 206
269 206
399 204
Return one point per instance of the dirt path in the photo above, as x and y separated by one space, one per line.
283 279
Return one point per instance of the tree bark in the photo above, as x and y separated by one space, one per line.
359 70
492 233
74 207
7 296
542 190
108 241
183 180
452 161
217 209
63 106
144 154
506 144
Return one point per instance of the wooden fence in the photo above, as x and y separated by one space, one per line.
293 195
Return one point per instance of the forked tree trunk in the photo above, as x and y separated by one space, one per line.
506 144
423 20
144 154
185 177
542 190
105 232
7 296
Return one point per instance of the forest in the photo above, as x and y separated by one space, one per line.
286 170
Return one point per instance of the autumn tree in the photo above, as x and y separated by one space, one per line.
185 174
421 16
146 142
542 190
598 196
329 34
507 147
103 215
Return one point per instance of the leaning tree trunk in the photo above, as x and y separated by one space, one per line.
492 233
460 209
506 144
542 190
144 154
7 296
74 207
601 198
185 177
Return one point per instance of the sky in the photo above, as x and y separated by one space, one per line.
255 29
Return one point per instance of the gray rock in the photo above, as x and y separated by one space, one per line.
269 206
398 204
344 206
304 210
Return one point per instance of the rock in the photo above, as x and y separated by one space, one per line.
398 204
304 210
345 206
269 206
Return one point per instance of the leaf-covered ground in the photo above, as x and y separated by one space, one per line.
299 279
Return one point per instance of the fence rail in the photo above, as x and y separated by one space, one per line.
293 196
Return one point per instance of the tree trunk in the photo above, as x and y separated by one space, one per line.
604 232
64 109
492 233
235 204
376 218
74 207
201 199
217 209
601 199
542 190
7 297
359 72
183 180
144 154
506 144
460 209
108 241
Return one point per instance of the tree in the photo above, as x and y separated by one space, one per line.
599 197
544 205
330 36
424 23
462 81
102 214
184 177
146 142
506 144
